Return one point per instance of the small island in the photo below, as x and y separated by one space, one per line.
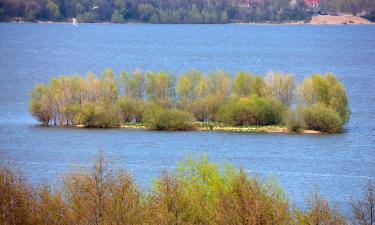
193 101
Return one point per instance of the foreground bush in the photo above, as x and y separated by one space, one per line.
322 118
364 209
248 201
197 192
320 212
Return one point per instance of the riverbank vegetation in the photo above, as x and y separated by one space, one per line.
197 192
161 101
177 11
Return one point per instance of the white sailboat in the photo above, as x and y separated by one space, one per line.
75 22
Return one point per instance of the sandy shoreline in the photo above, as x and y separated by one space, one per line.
339 20
221 128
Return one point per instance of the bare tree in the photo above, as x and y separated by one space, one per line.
364 209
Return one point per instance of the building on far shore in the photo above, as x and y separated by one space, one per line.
312 4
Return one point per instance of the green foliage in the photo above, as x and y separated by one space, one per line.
88 17
194 15
134 85
248 201
117 17
325 90
322 118
131 110
160 88
190 86
242 84
294 121
219 84
98 195
167 119
99 115
252 110
40 106
280 87
190 194
53 10
145 11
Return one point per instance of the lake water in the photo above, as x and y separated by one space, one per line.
339 165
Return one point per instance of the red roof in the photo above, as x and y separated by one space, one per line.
308 2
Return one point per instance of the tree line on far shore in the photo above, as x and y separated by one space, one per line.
161 101
176 11
197 192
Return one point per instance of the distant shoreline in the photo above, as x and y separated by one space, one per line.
315 20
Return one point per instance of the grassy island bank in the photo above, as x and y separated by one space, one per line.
194 101
196 192
221 127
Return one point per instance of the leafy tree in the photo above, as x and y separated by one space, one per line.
117 17
145 12
40 104
280 87
242 84
190 86
325 90
134 85
53 10
160 88
194 15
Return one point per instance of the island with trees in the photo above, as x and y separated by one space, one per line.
194 101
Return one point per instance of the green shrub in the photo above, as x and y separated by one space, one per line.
252 110
325 90
98 115
157 118
131 110
40 104
190 194
294 122
322 118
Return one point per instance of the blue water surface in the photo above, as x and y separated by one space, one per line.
338 165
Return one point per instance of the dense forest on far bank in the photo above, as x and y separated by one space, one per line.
177 11
163 102
197 192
